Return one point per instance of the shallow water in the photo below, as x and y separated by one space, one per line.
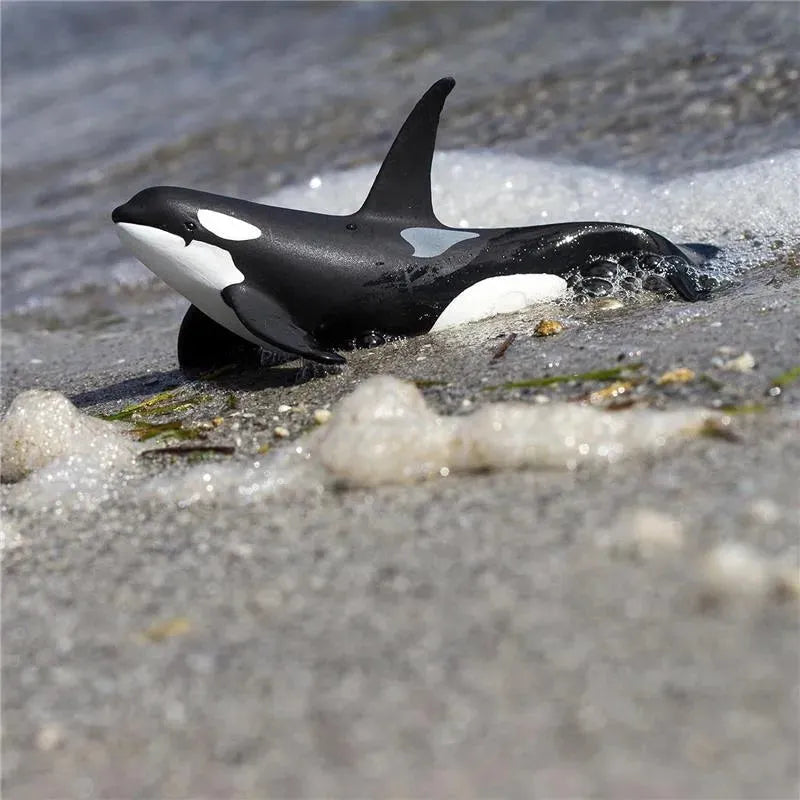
255 97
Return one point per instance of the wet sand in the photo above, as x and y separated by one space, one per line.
483 635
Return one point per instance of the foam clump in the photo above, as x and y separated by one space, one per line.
58 456
41 427
642 534
384 433
10 537
284 474
734 569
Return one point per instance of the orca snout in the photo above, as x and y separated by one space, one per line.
137 211
155 206
120 214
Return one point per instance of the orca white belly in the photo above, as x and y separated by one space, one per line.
502 294
199 271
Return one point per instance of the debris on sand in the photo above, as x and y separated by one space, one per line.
322 415
548 327
166 629
677 375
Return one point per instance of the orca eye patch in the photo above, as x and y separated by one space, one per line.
227 227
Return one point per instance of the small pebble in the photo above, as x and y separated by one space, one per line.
548 327
644 533
177 626
743 363
282 409
609 304
49 737
281 432
677 375
321 416
734 569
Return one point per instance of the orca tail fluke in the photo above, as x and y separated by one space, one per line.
402 189
699 252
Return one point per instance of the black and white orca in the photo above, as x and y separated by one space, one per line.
305 284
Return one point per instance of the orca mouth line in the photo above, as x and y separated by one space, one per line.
124 215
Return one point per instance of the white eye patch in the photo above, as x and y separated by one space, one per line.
227 227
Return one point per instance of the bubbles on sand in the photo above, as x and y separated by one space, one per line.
41 427
57 456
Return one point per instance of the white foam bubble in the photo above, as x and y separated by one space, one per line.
60 457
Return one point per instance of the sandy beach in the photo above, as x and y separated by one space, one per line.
626 629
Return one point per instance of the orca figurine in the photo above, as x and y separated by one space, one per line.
296 283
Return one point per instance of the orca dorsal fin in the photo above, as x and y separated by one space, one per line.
402 189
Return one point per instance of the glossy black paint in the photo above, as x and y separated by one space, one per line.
314 282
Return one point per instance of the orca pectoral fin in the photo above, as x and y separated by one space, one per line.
267 319
205 345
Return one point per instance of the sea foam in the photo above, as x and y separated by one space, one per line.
731 208
384 433
58 457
